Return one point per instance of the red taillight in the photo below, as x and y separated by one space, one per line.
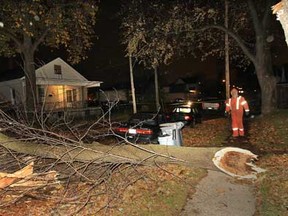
144 131
122 130
186 117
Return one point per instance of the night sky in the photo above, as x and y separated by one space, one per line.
107 62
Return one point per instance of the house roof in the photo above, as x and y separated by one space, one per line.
45 75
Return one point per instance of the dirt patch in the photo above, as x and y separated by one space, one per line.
236 163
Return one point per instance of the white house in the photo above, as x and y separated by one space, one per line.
59 86
184 88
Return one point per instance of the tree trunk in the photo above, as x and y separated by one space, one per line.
268 89
30 76
266 78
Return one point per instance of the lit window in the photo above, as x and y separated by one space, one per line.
71 95
74 95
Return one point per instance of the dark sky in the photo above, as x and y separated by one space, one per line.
106 61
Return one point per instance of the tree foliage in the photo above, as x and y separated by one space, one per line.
145 33
27 24
197 28
55 24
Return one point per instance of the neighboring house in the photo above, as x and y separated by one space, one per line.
183 89
59 86
114 95
282 90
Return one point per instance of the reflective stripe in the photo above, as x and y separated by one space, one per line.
243 102
227 104
234 129
237 102
241 129
247 110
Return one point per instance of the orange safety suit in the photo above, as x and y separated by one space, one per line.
235 106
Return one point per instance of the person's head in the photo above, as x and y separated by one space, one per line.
234 93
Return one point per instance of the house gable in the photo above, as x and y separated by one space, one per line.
57 79
59 69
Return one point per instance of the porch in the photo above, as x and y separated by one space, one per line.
61 97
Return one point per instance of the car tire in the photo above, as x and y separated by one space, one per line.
193 123
154 141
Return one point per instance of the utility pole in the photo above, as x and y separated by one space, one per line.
227 68
132 84
157 98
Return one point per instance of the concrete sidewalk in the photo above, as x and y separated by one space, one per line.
220 195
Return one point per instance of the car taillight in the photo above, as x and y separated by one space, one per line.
144 131
122 130
186 117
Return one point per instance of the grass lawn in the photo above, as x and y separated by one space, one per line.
270 134
267 134
164 188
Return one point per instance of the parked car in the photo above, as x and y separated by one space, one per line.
212 103
142 127
188 114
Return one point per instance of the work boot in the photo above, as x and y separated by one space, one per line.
243 139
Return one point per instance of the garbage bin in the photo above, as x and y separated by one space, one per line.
171 134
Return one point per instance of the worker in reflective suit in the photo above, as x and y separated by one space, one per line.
236 106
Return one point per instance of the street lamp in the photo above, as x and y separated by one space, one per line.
1 24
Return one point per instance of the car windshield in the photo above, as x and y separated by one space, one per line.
144 118
182 110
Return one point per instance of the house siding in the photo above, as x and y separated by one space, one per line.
19 88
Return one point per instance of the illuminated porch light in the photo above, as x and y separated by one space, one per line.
1 24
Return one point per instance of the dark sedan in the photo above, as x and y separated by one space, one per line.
142 127
186 113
